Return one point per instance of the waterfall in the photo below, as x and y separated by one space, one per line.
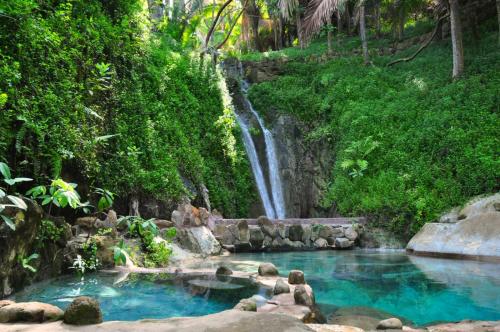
272 160
272 198
256 167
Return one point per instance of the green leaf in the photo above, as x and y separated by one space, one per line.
29 267
2 193
46 200
11 182
5 170
104 138
9 222
18 202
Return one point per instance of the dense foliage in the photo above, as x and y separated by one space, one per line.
409 142
88 92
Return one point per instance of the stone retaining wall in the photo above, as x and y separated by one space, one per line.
266 235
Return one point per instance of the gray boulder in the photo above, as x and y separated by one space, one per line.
296 277
325 231
302 296
223 270
321 243
268 269
343 243
266 226
83 311
281 287
256 237
246 305
34 312
390 324
350 233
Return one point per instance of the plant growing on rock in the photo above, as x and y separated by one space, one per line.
120 253
16 201
25 262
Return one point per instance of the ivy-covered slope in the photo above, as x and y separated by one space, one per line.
87 91
409 142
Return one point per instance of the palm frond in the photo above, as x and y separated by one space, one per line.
287 8
316 14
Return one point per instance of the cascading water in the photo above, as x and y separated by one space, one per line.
272 198
256 168
272 160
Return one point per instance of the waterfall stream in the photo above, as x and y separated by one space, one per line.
272 198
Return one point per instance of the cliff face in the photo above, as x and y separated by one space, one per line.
304 166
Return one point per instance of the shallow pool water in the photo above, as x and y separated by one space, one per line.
144 296
422 290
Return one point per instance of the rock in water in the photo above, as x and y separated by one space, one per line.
268 269
83 311
343 243
295 233
296 277
224 271
302 297
281 287
35 312
390 324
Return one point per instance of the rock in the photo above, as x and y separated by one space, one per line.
278 243
35 312
268 270
296 277
223 270
267 243
105 251
256 237
295 232
337 232
243 233
4 303
204 216
351 234
224 235
321 243
161 223
178 218
266 226
390 324
198 240
333 328
292 245
83 311
282 230
306 235
302 297
343 243
281 287
87 222
477 235
325 231
246 305
111 219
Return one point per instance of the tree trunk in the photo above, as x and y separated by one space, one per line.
498 14
401 23
329 34
377 20
362 32
299 29
339 21
456 39
348 18
133 209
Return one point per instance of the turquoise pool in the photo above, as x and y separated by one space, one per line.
422 290
143 296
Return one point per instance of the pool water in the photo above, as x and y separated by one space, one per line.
419 289
144 296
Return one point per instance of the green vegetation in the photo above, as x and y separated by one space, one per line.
25 262
409 142
88 91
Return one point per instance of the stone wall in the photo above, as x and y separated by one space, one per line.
267 235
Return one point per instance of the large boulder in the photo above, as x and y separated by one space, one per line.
476 232
267 227
224 271
243 232
246 305
350 233
199 240
83 311
343 243
35 312
321 243
267 270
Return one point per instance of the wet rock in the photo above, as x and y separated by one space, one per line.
198 240
296 277
246 305
302 296
295 233
390 324
281 287
321 243
267 243
223 270
351 234
268 269
35 312
278 243
343 243
292 245
256 237
243 232
266 226
83 311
